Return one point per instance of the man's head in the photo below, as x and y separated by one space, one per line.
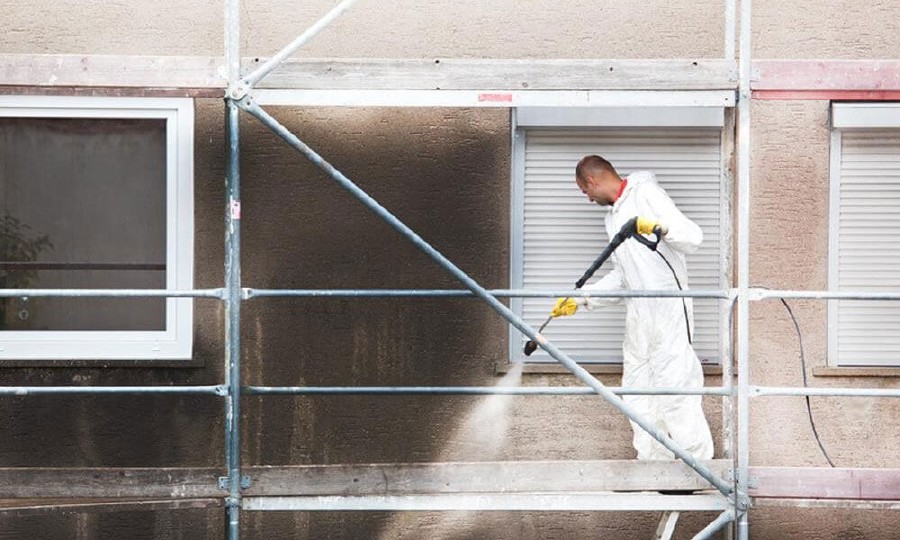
597 179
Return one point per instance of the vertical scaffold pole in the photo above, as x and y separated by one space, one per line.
741 491
232 274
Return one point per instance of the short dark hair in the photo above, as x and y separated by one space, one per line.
589 165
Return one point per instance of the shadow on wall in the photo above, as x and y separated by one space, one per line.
446 175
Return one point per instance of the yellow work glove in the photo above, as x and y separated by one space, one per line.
648 226
564 307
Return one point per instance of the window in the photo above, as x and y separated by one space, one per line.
556 233
96 193
864 217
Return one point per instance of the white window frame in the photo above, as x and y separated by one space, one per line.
528 117
176 341
879 115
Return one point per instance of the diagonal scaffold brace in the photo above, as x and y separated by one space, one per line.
253 109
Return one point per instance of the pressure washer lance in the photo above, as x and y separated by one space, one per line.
629 230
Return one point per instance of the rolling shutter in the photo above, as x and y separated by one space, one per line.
562 232
868 218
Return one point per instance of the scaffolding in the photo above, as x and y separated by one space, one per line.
445 486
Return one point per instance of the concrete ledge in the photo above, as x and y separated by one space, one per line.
829 371
596 369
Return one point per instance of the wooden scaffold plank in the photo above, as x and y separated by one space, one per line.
569 502
498 485
826 483
502 74
203 75
865 79
161 483
360 479
53 506
850 504
479 477
24 71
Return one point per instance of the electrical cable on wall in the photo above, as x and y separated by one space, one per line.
812 422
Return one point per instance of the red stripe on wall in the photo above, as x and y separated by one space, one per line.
840 75
829 95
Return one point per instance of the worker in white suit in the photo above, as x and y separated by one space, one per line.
657 350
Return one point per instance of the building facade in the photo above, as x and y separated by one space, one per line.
471 181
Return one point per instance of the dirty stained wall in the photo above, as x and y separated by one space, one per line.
446 173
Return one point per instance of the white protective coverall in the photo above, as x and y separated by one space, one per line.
657 351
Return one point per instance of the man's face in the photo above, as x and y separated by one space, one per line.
591 187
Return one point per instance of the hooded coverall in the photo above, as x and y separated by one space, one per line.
658 331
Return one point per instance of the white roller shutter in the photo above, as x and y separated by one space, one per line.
865 220
562 232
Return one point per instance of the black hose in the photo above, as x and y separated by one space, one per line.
812 422
687 322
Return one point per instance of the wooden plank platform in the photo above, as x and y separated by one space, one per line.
570 502
826 75
573 485
206 72
850 504
868 79
191 74
826 483
358 479
478 477
51 506
102 483
501 74
495 98
497 79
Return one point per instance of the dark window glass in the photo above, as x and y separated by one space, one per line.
82 205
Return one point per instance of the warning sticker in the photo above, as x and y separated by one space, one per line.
500 98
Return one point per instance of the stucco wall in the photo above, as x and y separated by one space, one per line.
790 244
404 28
465 28
825 29
789 249
446 172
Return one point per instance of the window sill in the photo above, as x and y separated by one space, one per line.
595 369
124 363
849 371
